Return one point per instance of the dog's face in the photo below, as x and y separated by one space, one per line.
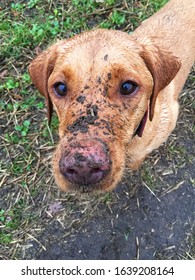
103 86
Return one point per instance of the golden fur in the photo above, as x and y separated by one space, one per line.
157 57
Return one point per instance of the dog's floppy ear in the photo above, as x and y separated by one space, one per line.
40 69
163 66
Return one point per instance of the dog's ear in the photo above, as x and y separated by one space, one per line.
40 69
163 66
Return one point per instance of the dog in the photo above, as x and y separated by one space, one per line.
115 94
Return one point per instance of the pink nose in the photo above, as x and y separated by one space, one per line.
85 162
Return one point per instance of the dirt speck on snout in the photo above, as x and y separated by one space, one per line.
81 99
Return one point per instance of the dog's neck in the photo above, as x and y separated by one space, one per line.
171 28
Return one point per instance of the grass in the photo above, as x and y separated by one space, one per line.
26 142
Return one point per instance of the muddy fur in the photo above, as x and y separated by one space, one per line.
94 65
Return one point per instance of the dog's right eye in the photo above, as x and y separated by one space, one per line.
60 89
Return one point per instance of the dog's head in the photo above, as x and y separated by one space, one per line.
103 85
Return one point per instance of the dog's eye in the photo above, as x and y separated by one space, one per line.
60 89
128 88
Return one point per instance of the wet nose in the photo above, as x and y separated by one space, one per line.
85 162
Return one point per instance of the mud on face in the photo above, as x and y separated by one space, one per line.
85 158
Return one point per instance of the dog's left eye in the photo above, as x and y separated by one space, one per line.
60 89
128 88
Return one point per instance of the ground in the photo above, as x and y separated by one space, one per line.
150 215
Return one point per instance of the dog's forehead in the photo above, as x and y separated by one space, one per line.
100 47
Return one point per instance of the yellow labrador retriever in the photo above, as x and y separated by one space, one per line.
115 95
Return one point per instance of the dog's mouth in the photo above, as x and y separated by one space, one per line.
140 128
89 188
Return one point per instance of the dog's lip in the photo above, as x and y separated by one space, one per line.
85 188
89 188
140 127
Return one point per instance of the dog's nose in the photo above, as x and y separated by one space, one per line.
83 175
85 162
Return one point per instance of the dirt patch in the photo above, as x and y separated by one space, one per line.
82 123
154 229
